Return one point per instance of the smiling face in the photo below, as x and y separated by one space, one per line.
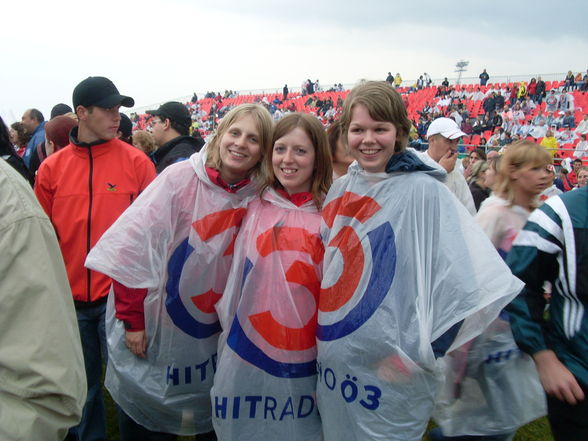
371 142
239 149
293 158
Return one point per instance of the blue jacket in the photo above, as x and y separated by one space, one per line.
37 138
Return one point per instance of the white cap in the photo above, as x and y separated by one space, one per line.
445 127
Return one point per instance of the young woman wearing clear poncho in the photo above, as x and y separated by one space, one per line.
264 386
169 256
492 387
407 276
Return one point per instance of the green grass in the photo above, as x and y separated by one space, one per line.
536 431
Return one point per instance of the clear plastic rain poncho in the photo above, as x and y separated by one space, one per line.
176 240
405 264
491 386
264 387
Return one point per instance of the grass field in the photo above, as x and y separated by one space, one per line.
535 431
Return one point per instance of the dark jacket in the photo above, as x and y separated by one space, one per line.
173 151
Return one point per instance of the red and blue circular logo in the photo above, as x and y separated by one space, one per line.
275 325
194 312
351 300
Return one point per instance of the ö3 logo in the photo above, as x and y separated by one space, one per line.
345 290
258 336
203 323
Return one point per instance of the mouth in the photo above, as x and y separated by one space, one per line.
288 171
369 151
237 155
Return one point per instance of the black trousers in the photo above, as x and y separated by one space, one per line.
568 423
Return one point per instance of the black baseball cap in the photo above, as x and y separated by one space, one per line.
100 92
173 111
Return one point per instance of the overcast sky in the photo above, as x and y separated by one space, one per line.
160 50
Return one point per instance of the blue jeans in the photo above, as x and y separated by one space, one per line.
92 427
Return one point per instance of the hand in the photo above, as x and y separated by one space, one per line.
136 341
448 160
556 379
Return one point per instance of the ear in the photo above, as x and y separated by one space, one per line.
81 112
513 172
166 124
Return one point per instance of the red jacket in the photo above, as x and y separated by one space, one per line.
83 190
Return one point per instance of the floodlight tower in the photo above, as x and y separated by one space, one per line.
460 68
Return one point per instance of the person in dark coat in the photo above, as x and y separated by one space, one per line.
170 127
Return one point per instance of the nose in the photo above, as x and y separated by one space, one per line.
288 156
368 137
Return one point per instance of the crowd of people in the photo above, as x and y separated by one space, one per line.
248 270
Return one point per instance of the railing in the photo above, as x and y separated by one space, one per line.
405 83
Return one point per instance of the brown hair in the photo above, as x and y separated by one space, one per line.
323 168
383 103
264 125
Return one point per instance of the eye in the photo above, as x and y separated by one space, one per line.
253 139
355 130
279 149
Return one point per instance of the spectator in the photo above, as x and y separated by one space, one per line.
569 82
540 91
477 183
568 121
390 78
583 126
573 175
552 247
8 154
339 153
170 128
550 143
285 92
83 188
427 79
484 77
34 124
42 386
125 129
19 138
581 150
443 136
445 82
143 140
583 177
551 101
397 80
57 132
532 89
60 109
172 250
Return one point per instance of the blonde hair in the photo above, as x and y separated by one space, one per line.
383 103
477 169
323 170
145 139
519 154
264 126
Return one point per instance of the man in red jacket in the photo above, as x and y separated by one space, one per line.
84 188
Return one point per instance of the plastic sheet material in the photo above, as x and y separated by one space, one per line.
491 386
177 241
405 266
264 387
